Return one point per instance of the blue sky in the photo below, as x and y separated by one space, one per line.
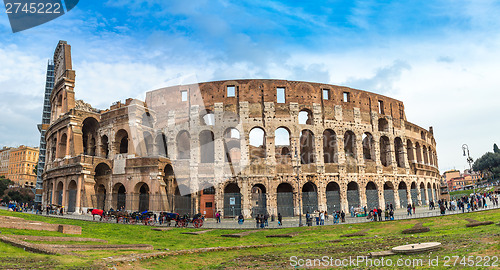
439 57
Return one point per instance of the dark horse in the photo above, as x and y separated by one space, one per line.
96 212
119 215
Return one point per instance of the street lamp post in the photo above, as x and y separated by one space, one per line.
298 187
465 148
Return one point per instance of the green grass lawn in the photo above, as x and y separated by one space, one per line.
313 242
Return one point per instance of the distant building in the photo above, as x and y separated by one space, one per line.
22 164
4 161
455 180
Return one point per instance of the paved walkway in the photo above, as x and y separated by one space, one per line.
399 214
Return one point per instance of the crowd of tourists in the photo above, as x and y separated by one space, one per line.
473 202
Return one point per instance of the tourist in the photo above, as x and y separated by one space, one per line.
342 216
240 219
413 208
391 207
308 219
386 214
391 214
408 209
322 218
217 216
266 217
326 216
335 218
379 212
280 220
352 211
443 209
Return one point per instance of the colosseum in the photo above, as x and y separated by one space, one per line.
236 146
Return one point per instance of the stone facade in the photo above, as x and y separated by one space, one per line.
236 146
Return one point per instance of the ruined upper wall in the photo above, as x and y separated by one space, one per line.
259 91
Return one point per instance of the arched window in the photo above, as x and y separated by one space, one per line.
305 117
385 151
307 154
183 145
383 125
257 137
207 118
329 146
282 145
368 146
122 141
400 154
89 130
232 145
207 153
350 144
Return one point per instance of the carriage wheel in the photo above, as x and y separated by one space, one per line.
182 223
197 223
151 222
133 221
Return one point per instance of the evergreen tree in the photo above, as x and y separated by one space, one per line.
495 149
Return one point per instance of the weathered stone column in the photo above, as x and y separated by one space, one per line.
396 198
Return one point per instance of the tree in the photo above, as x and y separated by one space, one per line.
488 163
4 184
495 149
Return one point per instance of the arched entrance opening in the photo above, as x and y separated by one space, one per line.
353 195
414 193
333 197
102 175
284 199
71 196
232 200
59 193
119 197
371 195
309 198
143 197
403 199
389 195
259 200
423 194
435 191
385 151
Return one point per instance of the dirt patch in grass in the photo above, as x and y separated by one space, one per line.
417 228
475 223
27 263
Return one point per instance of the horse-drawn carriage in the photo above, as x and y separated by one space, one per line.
180 221
145 217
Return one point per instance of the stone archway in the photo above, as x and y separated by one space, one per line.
353 195
371 195
414 193
259 200
423 194
284 199
119 197
232 200
309 198
389 195
333 197
71 197
143 197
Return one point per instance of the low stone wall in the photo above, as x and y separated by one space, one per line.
21 224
